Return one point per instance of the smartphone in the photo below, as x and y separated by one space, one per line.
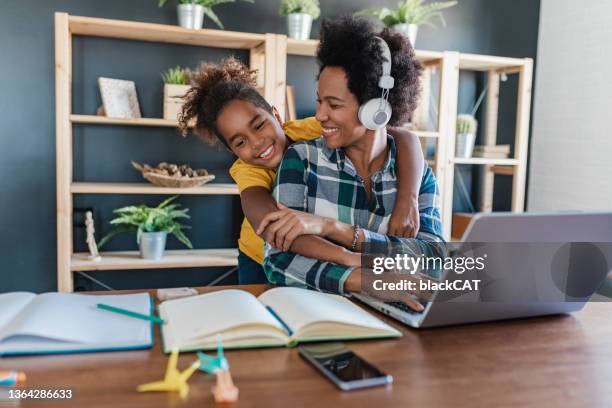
343 367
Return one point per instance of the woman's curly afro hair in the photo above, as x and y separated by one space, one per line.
212 87
349 43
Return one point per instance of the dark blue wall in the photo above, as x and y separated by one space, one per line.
27 119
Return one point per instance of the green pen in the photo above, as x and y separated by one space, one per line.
125 312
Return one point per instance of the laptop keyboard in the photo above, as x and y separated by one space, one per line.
404 307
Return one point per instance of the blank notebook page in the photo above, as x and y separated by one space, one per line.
75 318
300 307
211 313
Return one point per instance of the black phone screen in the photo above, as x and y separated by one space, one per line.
341 362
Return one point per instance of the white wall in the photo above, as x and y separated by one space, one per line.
571 148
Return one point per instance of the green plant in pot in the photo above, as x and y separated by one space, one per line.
151 225
176 76
300 14
191 12
176 84
409 15
466 135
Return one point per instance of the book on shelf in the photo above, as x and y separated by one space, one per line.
279 317
489 155
493 148
55 323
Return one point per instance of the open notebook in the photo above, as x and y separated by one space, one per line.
67 322
279 317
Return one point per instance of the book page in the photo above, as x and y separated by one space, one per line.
197 317
10 306
70 317
299 308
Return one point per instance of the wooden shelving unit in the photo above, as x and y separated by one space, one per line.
268 55
263 51
443 163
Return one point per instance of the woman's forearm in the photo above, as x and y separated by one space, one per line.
343 234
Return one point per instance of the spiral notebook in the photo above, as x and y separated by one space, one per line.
54 323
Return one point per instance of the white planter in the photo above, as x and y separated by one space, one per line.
153 245
190 16
464 146
299 26
173 101
409 31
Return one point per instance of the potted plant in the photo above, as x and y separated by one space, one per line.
466 135
300 14
152 226
408 15
176 84
191 12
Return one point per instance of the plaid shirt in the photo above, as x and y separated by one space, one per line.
316 179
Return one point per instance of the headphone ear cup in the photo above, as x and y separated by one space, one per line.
375 113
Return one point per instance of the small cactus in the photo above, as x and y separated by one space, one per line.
466 124
176 76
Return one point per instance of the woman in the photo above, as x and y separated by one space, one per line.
346 181
227 108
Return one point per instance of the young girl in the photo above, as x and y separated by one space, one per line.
226 107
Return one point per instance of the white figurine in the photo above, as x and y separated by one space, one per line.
91 240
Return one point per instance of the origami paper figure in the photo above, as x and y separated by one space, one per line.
174 380
224 390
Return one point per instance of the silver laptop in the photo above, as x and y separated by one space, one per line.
499 301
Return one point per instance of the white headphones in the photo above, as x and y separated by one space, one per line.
376 113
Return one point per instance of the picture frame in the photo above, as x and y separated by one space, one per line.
119 98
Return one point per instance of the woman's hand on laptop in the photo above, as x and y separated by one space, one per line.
362 280
280 228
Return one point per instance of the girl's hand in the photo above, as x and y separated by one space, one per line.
280 228
405 221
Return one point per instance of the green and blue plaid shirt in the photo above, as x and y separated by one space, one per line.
316 179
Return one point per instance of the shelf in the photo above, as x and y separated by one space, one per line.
466 61
309 48
484 160
302 47
427 57
103 120
476 62
133 30
189 258
146 188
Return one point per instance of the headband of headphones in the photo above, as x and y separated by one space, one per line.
386 81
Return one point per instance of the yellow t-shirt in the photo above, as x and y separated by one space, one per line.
247 175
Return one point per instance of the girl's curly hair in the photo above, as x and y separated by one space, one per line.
349 43
213 86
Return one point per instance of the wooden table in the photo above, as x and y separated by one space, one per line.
547 362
